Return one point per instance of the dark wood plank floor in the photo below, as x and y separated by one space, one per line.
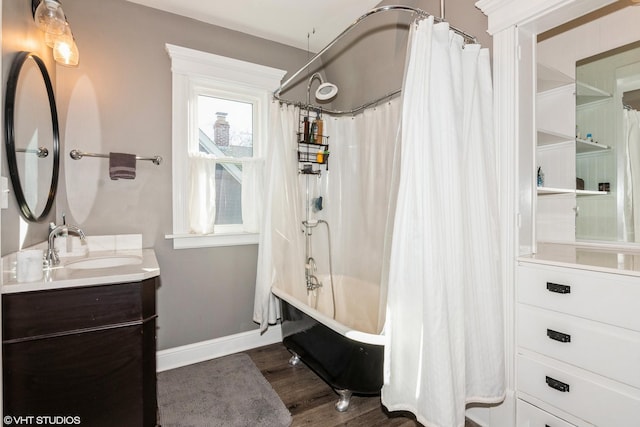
311 401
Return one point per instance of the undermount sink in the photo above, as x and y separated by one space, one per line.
104 262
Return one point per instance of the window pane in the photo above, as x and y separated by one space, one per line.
226 127
228 193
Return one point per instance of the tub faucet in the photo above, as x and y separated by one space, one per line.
312 281
52 253
310 266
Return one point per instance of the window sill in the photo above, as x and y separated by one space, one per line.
192 241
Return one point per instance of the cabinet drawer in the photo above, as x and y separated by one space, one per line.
606 350
599 402
531 416
46 313
603 297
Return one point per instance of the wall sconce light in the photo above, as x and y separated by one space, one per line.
50 18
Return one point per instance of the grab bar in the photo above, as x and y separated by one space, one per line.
77 155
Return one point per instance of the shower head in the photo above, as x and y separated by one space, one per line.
324 92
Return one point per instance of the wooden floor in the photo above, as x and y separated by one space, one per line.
311 401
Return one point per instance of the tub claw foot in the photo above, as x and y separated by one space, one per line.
294 360
343 401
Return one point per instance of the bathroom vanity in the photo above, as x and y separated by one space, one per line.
578 336
81 343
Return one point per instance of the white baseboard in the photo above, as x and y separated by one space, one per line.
478 415
501 415
206 350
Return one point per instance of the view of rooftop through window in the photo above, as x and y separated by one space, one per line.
227 125
226 131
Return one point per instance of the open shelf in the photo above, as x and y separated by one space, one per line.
584 146
587 94
591 193
550 78
551 190
547 137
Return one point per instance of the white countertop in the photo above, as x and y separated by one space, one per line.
587 257
144 266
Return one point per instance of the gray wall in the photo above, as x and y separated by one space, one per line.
119 99
369 62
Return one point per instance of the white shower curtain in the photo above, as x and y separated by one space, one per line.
631 138
281 248
444 325
358 192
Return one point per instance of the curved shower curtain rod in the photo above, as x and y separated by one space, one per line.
421 15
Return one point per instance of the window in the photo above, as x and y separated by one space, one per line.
220 113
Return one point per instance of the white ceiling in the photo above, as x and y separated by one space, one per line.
291 22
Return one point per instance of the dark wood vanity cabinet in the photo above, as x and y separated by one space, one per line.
87 352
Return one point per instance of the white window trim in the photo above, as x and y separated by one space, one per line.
191 68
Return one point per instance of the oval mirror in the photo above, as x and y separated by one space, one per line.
32 136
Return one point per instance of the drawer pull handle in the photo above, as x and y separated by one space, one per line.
558 336
558 385
557 288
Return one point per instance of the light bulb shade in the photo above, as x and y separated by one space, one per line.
50 38
65 51
49 17
326 91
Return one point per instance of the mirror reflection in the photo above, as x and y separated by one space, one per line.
607 118
32 136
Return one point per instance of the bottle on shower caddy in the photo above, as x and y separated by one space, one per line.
321 155
319 125
312 133
305 135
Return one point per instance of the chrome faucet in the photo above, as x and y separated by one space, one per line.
312 281
52 253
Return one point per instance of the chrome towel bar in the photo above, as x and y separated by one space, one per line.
77 155
41 152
